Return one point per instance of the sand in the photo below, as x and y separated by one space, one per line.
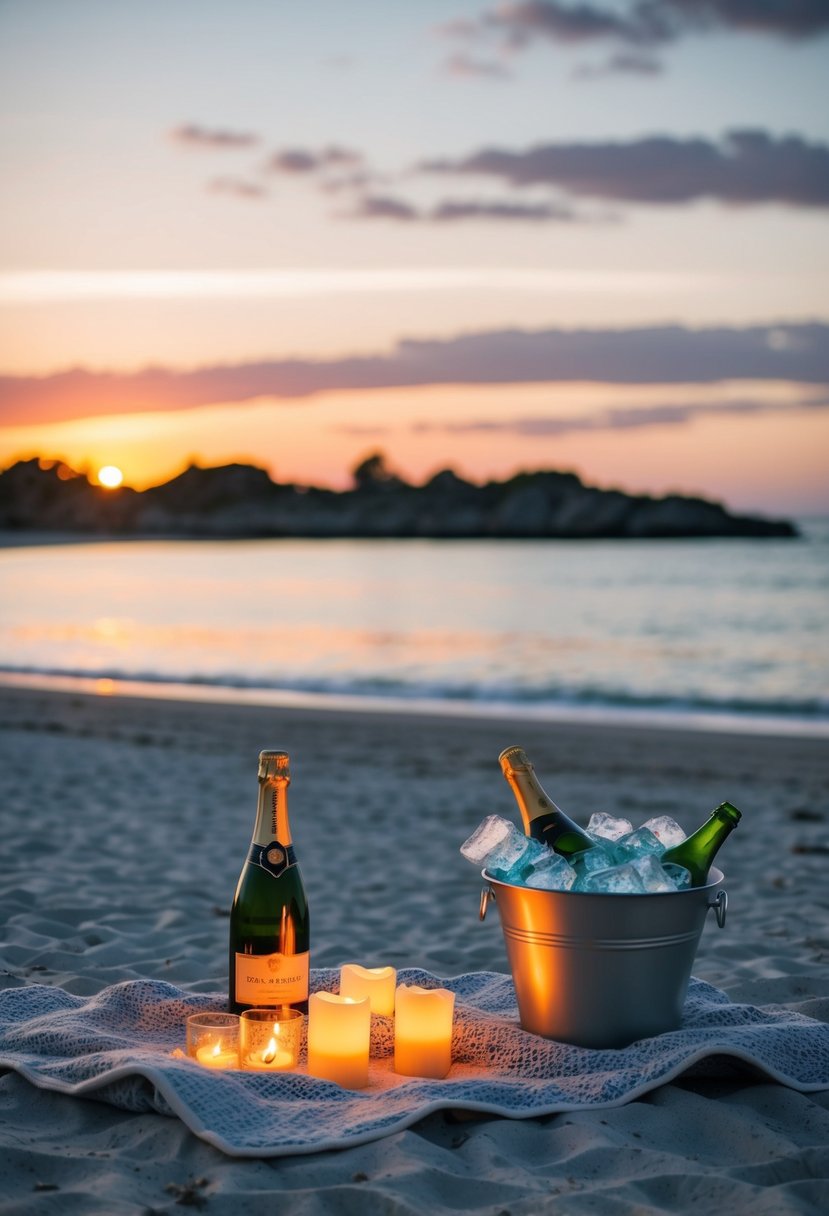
123 825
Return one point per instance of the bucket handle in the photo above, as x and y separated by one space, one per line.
486 895
720 906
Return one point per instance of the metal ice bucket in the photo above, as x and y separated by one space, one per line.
602 970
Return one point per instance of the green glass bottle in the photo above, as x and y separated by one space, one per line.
541 817
697 852
269 923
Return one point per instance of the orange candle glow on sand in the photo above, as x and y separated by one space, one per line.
423 1031
377 983
339 1033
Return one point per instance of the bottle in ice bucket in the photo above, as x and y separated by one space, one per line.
697 852
269 925
541 817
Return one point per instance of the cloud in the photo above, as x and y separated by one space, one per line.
785 18
236 186
647 23
745 167
622 418
48 286
449 211
360 179
384 207
632 63
522 23
303 160
381 207
648 355
462 64
192 135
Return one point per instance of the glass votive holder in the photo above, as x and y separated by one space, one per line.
213 1039
269 1039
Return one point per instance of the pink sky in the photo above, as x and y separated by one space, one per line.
480 244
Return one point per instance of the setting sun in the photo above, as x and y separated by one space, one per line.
110 476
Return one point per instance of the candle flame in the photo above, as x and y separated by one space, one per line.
270 1052
217 1047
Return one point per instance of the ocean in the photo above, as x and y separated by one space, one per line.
723 633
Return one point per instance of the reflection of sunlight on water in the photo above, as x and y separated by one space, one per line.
105 687
597 622
113 631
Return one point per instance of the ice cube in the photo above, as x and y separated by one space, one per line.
598 858
551 873
513 862
617 880
678 875
504 851
637 844
608 827
666 830
488 835
654 878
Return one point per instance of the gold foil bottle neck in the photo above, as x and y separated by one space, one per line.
514 760
274 764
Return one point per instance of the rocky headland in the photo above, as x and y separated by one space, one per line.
243 501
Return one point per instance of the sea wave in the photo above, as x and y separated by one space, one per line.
809 714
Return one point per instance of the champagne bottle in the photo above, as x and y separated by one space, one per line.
269 925
541 817
697 852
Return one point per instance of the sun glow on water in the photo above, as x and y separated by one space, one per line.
110 476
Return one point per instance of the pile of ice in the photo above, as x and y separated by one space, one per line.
622 861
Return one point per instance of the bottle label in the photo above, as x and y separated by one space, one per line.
271 979
273 857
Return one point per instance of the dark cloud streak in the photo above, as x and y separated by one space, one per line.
623 419
303 160
645 24
746 167
667 354
385 207
192 135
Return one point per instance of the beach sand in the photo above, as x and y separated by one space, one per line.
123 826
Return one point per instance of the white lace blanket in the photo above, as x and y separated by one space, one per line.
117 1047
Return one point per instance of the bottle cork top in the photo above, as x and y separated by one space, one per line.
514 760
727 810
274 764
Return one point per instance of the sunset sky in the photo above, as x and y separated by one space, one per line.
489 236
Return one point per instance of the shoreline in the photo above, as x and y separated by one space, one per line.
38 538
516 712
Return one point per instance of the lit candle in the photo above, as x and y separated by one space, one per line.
377 983
423 1031
213 1039
339 1031
269 1059
269 1039
217 1056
